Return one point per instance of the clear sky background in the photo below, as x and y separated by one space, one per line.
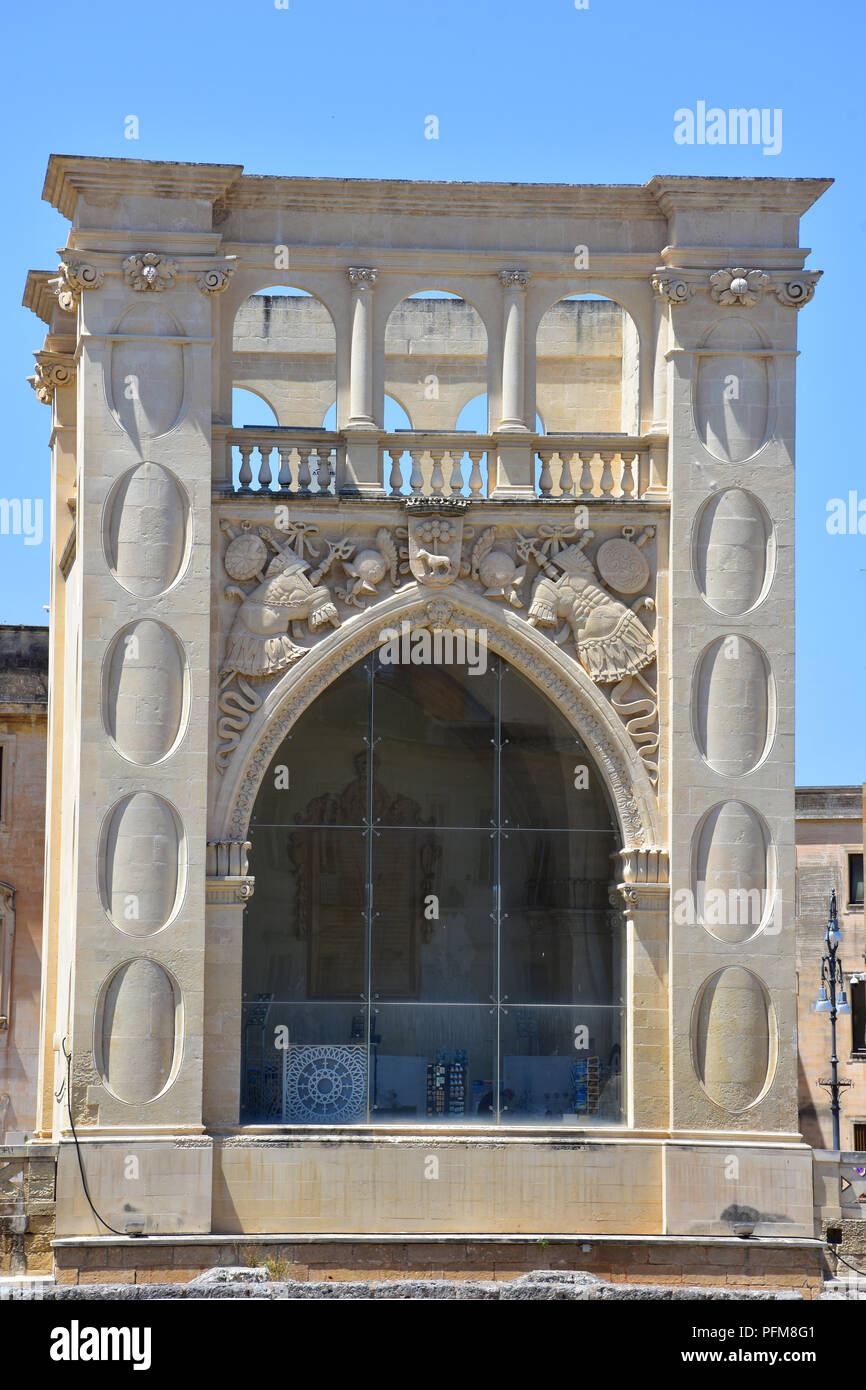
523 91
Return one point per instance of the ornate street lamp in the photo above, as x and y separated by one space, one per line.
832 1000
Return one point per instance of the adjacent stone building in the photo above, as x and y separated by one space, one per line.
23 743
830 858
421 801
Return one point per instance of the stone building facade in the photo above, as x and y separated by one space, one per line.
420 802
23 742
830 857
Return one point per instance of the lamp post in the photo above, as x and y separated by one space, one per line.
831 1000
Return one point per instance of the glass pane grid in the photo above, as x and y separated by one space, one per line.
449 968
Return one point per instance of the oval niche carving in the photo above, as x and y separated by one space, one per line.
140 1032
142 864
734 1038
733 705
145 691
147 379
147 529
733 872
733 552
732 393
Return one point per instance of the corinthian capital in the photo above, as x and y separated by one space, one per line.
362 276
514 279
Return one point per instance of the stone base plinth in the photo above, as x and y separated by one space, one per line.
727 1263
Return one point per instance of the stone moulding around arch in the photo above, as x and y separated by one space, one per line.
531 653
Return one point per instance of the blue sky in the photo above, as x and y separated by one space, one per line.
535 92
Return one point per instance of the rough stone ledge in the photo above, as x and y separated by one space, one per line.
541 1285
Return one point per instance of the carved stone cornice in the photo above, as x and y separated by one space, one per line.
362 277
149 270
53 369
514 279
72 278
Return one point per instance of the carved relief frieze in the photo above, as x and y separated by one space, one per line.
735 286
588 591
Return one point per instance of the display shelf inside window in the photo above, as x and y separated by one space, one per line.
589 1076
446 1083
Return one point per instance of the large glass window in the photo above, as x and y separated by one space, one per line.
433 937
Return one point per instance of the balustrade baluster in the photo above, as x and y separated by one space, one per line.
606 474
586 474
545 478
566 481
416 481
476 482
304 471
323 468
396 479
265 467
436 478
245 476
284 477
456 473
628 483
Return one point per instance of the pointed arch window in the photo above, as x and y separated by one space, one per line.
433 936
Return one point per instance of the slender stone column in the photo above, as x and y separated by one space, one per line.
228 889
514 284
362 279
645 894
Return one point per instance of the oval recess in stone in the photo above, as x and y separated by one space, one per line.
733 551
147 529
143 864
733 877
733 705
141 1033
146 378
734 1038
145 691
731 393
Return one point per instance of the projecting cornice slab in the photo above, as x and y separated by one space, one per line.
70 176
678 193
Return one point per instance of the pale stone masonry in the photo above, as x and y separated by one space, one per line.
23 725
634 564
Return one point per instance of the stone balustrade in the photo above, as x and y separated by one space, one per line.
413 463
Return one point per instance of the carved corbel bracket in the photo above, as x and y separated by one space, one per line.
53 369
